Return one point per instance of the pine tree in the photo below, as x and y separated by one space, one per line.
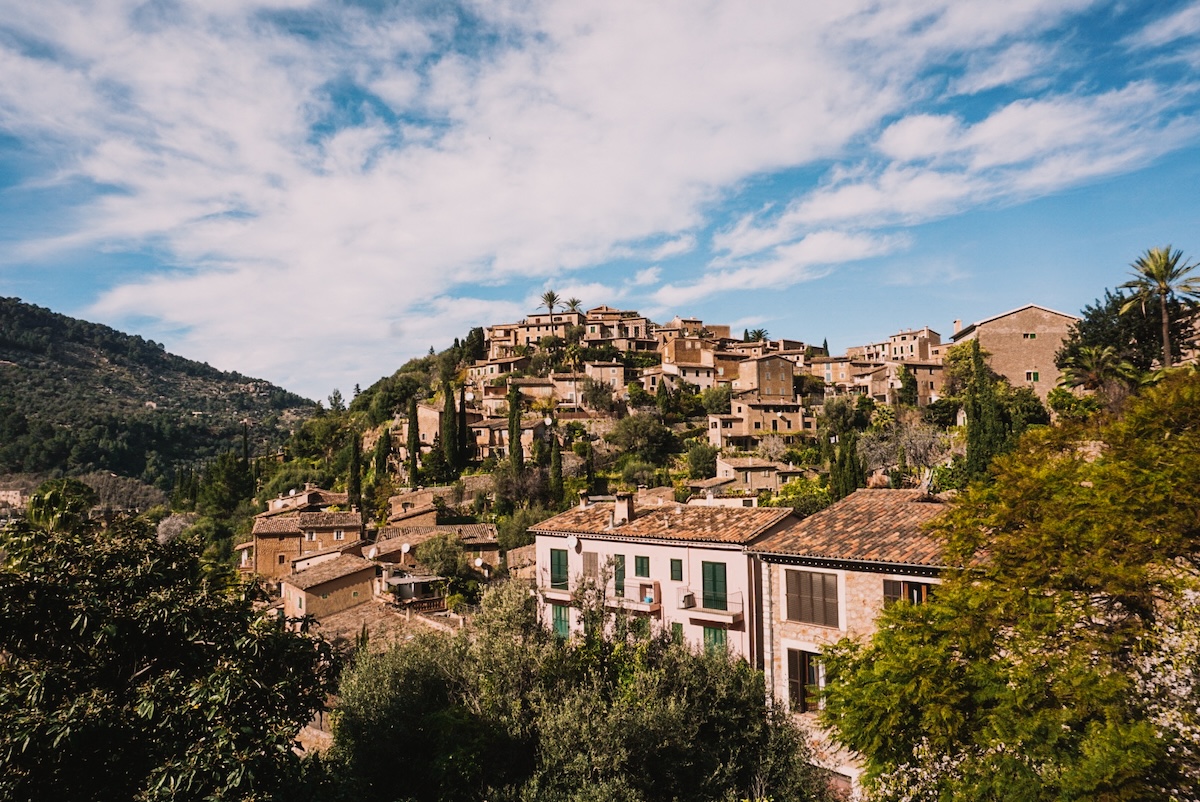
383 449
516 453
414 442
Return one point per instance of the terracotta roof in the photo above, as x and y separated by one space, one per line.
343 566
413 513
738 525
881 526
249 544
755 463
468 532
278 525
330 520
715 481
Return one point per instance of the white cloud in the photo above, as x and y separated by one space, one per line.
1018 63
1182 24
334 191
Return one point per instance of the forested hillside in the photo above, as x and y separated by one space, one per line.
78 396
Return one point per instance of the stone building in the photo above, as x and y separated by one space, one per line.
1022 344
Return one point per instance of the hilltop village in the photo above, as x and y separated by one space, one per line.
722 556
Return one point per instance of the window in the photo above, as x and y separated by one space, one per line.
558 569
281 559
812 598
355 594
714 639
641 566
676 570
561 614
804 680
299 601
895 590
619 574
339 535
1031 375
310 536
1029 335
591 565
713 579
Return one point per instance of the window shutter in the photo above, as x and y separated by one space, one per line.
792 594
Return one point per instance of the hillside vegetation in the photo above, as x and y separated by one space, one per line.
78 396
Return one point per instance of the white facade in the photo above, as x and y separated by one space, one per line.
671 593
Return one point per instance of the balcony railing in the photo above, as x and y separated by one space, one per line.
553 586
727 608
637 594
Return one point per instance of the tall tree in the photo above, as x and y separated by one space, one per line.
1099 369
908 394
465 452
383 450
556 472
550 300
413 446
573 304
516 452
451 445
354 479
985 427
757 335
1136 335
129 674
1160 278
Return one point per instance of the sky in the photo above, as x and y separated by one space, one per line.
313 192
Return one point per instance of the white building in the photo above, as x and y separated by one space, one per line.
682 567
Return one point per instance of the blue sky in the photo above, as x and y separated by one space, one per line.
313 192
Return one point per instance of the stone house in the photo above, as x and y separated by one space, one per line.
827 577
329 587
279 539
679 568
752 416
769 376
753 474
921 344
1022 344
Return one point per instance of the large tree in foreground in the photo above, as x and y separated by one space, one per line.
507 711
1161 278
1025 678
127 673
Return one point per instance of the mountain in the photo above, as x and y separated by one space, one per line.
78 396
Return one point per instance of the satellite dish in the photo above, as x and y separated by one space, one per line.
372 552
478 562
572 541
405 548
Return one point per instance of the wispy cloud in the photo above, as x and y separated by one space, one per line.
319 174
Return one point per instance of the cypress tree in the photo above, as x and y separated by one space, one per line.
354 480
985 426
450 443
556 474
414 441
465 452
516 454
383 449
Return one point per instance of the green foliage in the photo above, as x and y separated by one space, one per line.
556 473
442 554
643 436
638 397
702 460
597 395
1073 407
985 428
907 395
79 397
1136 336
413 446
805 496
716 400
61 504
129 674
506 711
451 443
516 451
1162 279
1018 681
846 474
512 531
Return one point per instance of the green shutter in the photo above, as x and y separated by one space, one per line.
619 574
714 587
562 619
676 570
558 569
714 639
641 566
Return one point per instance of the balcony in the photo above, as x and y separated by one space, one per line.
726 609
638 595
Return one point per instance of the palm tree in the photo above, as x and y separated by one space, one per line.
1096 367
1159 276
550 300
573 304
756 335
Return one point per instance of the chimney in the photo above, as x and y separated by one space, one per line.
957 326
623 508
583 499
